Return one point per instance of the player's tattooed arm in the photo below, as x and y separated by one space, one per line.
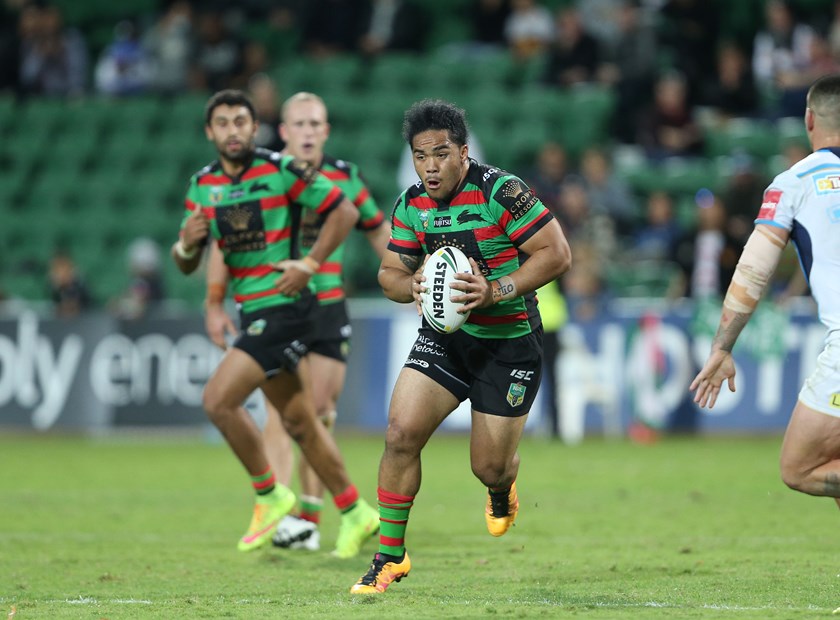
398 275
731 325
503 288
412 262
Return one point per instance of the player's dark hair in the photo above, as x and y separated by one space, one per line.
230 97
435 114
827 87
824 100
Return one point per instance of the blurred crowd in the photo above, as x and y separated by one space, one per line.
144 290
673 67
671 51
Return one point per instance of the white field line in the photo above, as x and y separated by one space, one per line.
544 603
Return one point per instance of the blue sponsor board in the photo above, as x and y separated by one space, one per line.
618 369
624 365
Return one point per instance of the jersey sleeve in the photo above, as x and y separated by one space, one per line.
309 188
781 201
517 209
370 216
404 239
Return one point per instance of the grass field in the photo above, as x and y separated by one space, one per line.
146 527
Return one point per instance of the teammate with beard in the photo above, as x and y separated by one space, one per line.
305 129
242 201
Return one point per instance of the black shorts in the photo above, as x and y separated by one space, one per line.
331 336
278 337
499 376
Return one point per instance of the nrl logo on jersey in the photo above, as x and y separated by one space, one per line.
217 193
827 183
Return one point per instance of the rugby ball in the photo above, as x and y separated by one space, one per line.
439 310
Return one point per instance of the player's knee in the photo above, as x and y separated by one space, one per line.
490 473
297 423
213 404
401 441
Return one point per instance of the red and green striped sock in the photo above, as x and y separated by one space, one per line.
264 483
346 500
393 519
310 508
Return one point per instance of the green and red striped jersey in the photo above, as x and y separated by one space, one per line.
488 219
252 220
328 281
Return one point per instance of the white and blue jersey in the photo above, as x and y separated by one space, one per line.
805 200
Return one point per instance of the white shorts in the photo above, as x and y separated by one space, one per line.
821 391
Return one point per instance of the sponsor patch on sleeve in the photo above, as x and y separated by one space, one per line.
516 197
772 197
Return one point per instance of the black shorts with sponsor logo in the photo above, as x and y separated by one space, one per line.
278 337
331 336
500 376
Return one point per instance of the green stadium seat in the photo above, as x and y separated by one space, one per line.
686 211
642 179
361 263
8 114
339 74
345 112
31 237
642 279
291 76
136 116
791 130
453 72
92 12
497 150
688 176
20 153
29 283
755 137
183 114
45 115
77 145
491 108
594 103
525 138
394 72
279 44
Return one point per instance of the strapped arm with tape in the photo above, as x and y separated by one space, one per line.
757 264
758 261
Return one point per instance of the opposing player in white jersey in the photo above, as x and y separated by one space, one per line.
802 204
